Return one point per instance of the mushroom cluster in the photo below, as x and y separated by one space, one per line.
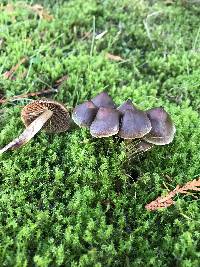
103 118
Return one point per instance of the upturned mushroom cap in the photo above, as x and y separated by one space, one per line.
163 129
103 100
106 123
84 114
143 146
127 105
59 121
134 124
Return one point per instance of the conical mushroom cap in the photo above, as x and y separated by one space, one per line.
103 100
84 114
106 123
134 124
127 105
163 129
59 121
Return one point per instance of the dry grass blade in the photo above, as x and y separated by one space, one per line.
163 202
29 132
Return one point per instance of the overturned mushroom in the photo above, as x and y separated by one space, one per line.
134 122
142 146
84 114
45 113
137 147
163 129
103 100
106 123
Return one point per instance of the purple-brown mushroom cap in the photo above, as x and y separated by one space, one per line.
163 129
134 124
84 114
106 123
103 100
127 105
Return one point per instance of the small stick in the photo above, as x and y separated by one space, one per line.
29 132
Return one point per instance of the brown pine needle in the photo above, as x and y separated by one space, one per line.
163 202
27 95
9 74
29 132
41 93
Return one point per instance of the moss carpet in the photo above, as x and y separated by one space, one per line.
73 200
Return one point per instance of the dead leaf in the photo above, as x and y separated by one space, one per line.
163 202
9 8
41 12
113 57
29 132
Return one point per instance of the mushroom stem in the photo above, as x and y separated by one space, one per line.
29 132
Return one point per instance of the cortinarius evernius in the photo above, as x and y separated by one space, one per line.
134 124
103 100
84 114
127 105
163 129
106 123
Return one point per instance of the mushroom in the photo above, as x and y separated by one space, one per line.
103 100
143 146
134 122
45 113
106 123
127 105
84 114
163 129
137 147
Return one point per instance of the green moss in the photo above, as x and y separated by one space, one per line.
70 199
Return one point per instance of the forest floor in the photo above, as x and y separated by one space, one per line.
72 200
